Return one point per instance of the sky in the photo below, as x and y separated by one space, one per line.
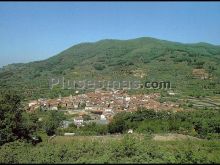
31 31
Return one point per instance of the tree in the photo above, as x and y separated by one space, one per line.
118 124
98 66
13 123
52 122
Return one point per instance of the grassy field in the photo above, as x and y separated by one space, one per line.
132 148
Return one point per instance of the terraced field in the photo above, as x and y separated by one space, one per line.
207 102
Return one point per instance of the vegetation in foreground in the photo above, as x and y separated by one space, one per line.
19 130
128 149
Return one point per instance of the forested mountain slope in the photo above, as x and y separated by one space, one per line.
192 69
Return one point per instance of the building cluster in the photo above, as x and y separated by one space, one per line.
101 105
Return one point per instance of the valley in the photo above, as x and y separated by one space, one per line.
150 124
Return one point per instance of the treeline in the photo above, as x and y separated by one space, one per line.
200 123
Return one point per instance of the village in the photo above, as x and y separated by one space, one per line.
100 106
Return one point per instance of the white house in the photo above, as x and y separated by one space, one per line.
33 103
93 108
127 98
102 117
78 121
108 110
54 108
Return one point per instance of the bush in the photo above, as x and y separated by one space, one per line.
99 66
127 149
52 122
200 123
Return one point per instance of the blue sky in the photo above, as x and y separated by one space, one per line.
32 31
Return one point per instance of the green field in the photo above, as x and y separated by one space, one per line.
124 149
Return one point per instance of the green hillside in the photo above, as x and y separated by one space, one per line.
156 60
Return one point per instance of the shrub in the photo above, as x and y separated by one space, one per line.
98 66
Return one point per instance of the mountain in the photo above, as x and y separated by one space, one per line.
136 59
